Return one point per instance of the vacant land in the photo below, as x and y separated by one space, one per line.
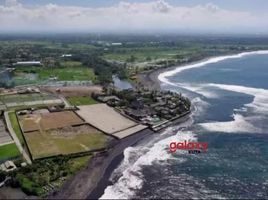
108 120
64 141
74 91
8 151
26 100
105 118
79 101
46 121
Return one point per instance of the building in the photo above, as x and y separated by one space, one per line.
8 166
27 63
66 55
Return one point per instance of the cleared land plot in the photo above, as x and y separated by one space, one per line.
108 120
8 151
46 121
16 100
4 135
84 100
64 141
74 91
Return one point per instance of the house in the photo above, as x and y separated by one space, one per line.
135 114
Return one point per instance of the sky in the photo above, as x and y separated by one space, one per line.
135 16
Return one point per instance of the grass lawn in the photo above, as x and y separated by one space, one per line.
72 73
79 101
15 126
71 64
76 164
9 151
64 141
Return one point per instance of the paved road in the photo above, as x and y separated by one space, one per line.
16 140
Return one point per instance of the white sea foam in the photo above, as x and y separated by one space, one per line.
135 158
200 89
258 109
260 102
238 125
163 76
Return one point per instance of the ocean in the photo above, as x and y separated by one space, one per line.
230 97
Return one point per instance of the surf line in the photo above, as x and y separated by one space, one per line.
192 147
163 76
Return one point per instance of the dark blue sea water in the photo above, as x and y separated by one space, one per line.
231 115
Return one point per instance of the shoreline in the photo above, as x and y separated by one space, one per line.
150 79
95 178
91 182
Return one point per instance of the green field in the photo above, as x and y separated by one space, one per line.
72 73
68 140
147 54
9 151
79 101
15 126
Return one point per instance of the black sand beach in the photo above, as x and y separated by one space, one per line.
91 182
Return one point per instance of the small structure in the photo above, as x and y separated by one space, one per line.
23 164
27 63
105 99
66 55
8 166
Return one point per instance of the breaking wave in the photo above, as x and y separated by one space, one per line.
259 104
128 177
238 125
163 76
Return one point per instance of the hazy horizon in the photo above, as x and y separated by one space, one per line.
134 16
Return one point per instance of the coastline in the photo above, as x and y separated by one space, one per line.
91 182
95 177
150 79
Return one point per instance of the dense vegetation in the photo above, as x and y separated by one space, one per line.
45 175
98 57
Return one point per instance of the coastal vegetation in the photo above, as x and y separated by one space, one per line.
44 176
